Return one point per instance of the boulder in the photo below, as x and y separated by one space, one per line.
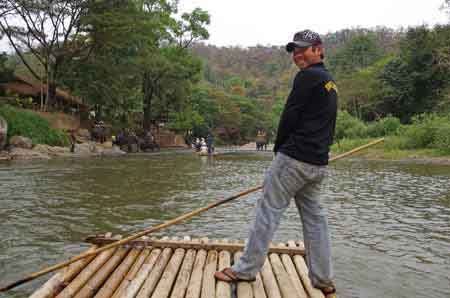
3 133
26 154
52 150
21 142
4 155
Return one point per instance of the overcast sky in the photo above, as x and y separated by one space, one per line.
251 22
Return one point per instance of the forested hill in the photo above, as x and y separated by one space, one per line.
263 70
379 71
267 69
265 63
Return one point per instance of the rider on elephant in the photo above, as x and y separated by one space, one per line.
261 140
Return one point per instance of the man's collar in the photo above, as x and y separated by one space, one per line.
318 64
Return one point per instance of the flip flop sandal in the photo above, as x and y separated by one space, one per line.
329 293
227 275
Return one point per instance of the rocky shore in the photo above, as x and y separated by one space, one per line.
21 148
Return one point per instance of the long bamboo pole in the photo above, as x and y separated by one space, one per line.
161 226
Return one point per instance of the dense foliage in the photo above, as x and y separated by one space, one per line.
142 64
31 125
380 73
430 131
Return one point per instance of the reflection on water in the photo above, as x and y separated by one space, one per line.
390 221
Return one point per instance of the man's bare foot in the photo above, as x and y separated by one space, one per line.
329 292
228 275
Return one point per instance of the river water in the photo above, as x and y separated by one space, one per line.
390 221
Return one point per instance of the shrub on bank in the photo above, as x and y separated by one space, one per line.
28 124
349 127
383 127
442 139
428 131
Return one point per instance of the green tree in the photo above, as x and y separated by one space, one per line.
359 52
206 106
108 77
168 69
359 92
413 82
168 81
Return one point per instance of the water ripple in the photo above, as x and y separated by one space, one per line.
390 222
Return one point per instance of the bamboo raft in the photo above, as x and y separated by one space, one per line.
178 268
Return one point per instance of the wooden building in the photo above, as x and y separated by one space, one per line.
23 87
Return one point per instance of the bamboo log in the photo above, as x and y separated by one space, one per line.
270 284
72 289
208 281
170 273
293 275
195 283
52 286
151 281
132 273
286 287
133 288
223 288
258 287
96 281
71 271
116 278
60 280
303 272
231 247
182 282
244 289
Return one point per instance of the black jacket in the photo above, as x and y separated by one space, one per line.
308 120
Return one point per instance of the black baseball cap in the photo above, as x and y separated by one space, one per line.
304 39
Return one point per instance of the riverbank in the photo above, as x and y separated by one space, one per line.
389 150
416 156
92 149
379 152
45 152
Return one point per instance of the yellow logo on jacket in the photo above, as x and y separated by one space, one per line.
331 86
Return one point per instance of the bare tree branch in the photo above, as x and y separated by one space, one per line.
45 29
19 53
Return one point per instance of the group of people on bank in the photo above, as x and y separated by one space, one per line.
203 145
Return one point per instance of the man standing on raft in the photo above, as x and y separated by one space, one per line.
305 134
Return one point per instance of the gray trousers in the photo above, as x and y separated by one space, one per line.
289 178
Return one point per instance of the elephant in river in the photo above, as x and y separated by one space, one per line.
261 141
148 142
99 133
